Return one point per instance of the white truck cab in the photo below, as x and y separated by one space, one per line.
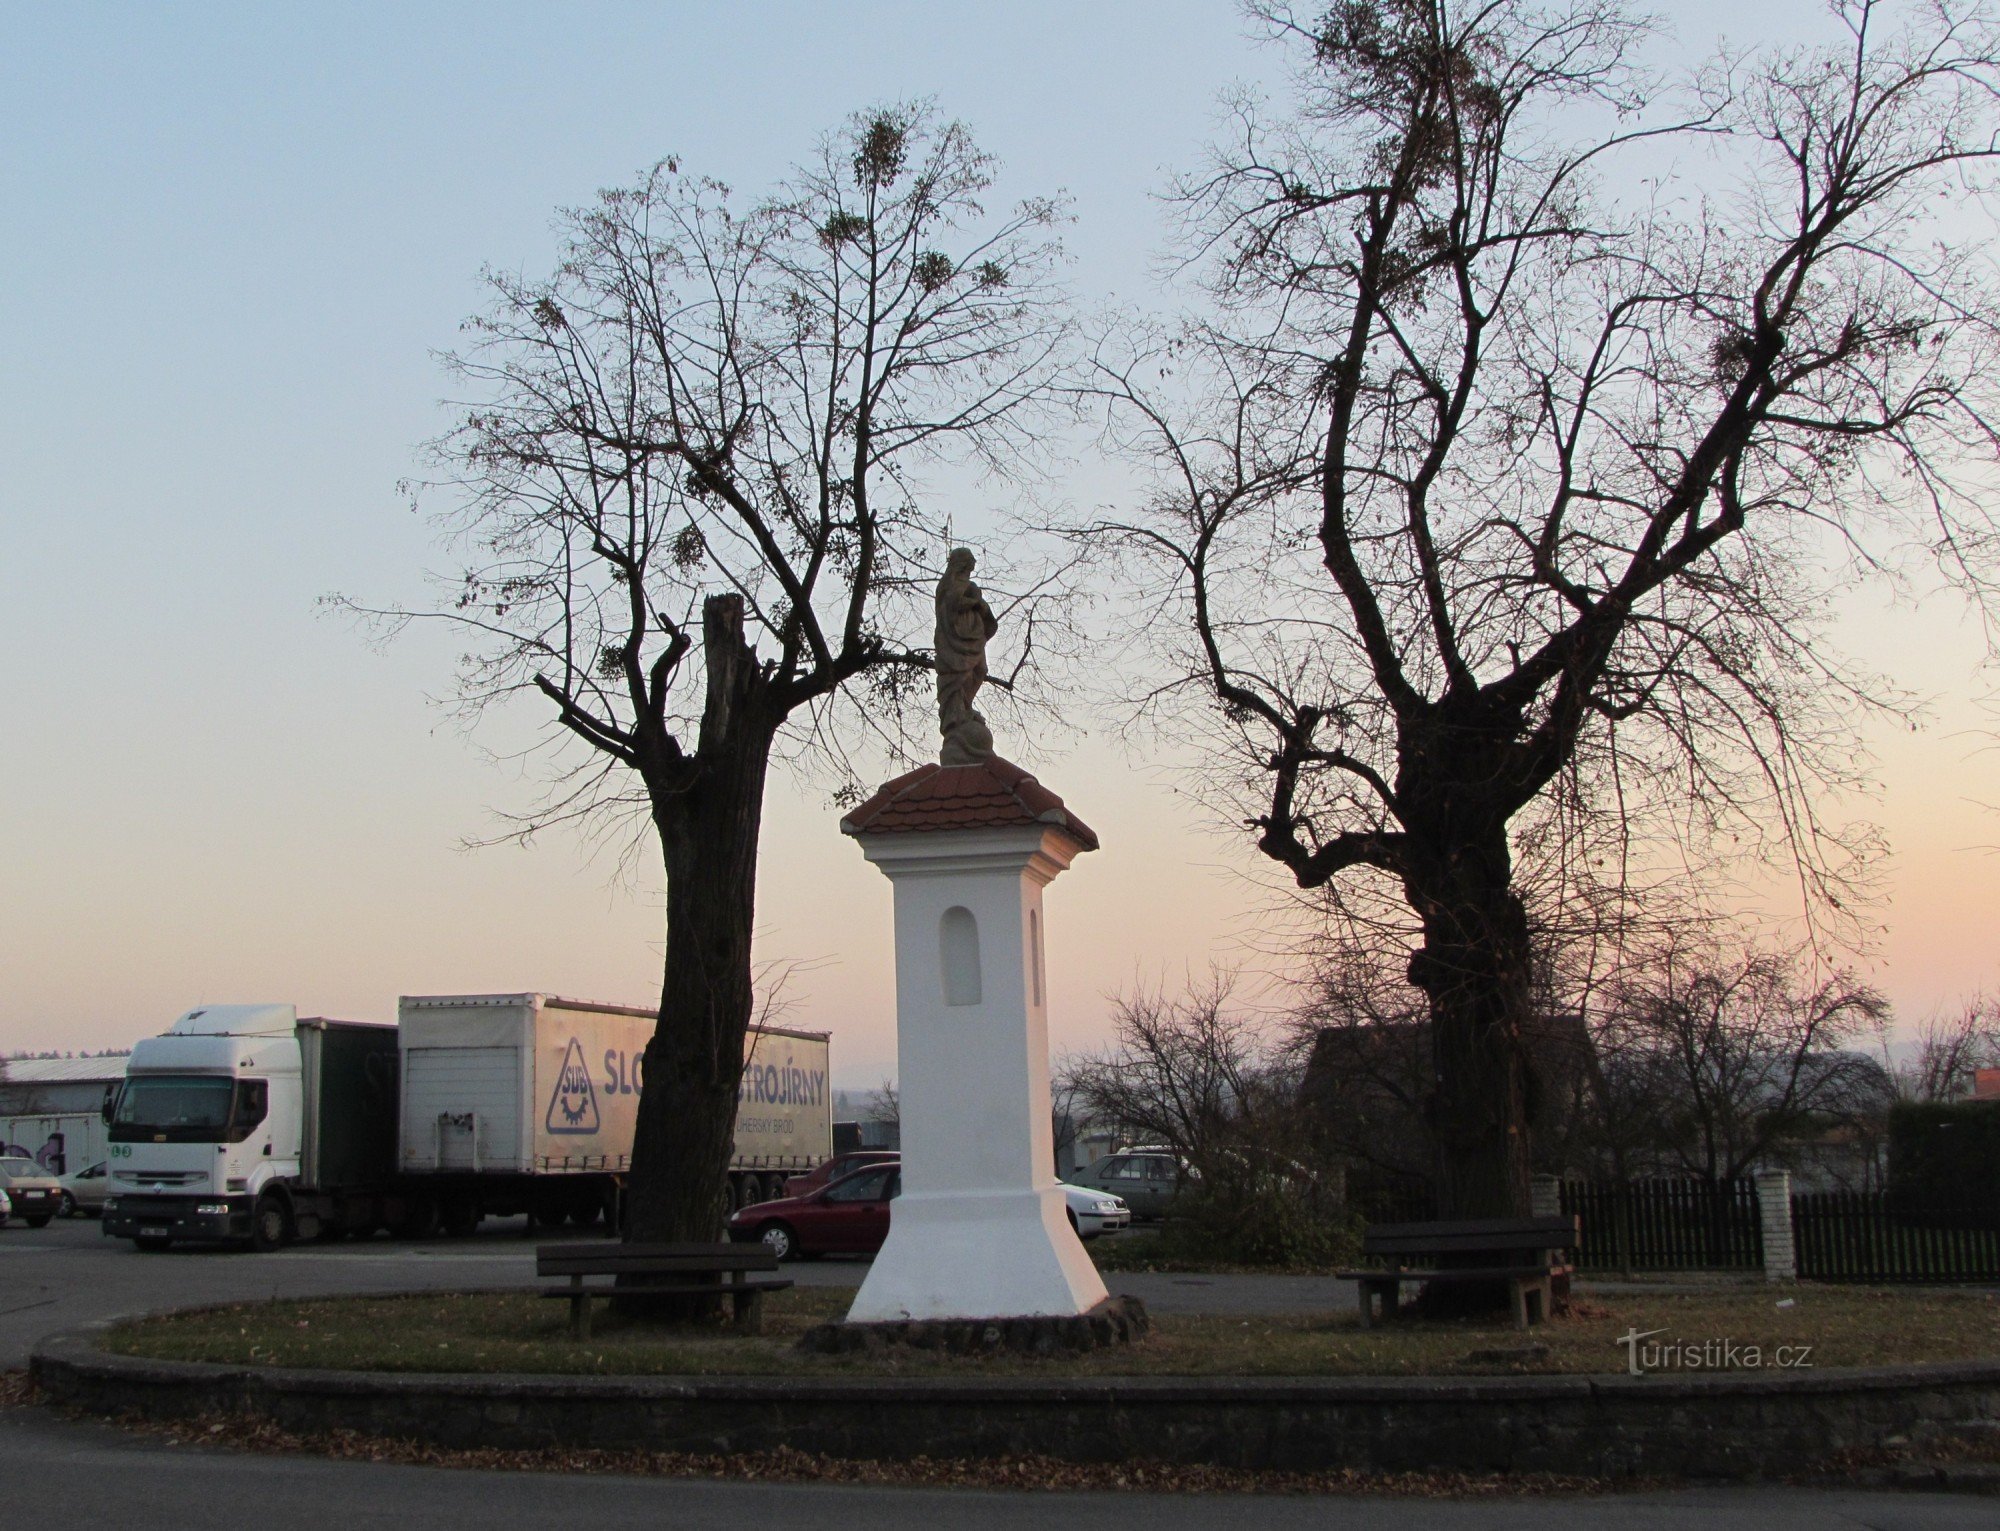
208 1118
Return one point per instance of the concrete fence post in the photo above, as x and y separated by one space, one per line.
1774 1215
1545 1196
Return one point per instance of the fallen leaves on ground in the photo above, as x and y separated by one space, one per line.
785 1465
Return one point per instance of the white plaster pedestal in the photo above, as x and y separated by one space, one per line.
980 1229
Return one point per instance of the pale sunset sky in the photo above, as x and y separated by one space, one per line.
233 237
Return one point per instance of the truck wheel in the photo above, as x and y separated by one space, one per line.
774 1188
270 1223
779 1239
461 1216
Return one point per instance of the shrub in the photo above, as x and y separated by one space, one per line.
1944 1156
1266 1223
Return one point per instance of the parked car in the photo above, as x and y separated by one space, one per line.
851 1215
6 1208
838 1166
1092 1212
1146 1179
85 1191
34 1192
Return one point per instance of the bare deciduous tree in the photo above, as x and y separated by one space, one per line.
1488 481
1713 1064
1950 1046
1181 1071
885 1105
1203 1075
685 487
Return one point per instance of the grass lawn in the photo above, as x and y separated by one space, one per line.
516 1332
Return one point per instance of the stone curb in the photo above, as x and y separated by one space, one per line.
1734 1426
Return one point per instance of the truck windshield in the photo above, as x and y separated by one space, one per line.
182 1108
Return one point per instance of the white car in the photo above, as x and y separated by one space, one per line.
1094 1212
6 1209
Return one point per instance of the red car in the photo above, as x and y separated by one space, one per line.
839 1165
848 1217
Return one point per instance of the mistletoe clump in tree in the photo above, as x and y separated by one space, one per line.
1536 412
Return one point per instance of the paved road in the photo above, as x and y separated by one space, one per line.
58 1475
68 1274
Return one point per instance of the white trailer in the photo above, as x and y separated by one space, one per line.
529 1102
62 1142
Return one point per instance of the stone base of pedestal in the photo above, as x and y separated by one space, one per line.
1114 1321
968 1254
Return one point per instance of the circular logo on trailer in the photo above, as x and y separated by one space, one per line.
573 1106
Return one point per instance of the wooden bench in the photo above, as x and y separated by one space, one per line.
661 1270
1525 1252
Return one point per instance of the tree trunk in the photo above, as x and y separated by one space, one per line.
1474 968
708 829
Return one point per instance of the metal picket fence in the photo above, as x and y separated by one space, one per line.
1863 1236
1666 1225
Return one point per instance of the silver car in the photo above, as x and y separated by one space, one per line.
1146 1179
84 1191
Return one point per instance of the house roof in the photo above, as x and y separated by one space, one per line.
101 1069
993 793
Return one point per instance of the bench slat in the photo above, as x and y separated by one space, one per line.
1458 1246
668 1289
603 1266
1471 1237
737 1257
667 1251
1477 1226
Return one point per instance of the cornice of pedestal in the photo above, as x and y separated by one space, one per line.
991 796
1039 851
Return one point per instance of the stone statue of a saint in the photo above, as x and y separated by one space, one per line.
964 623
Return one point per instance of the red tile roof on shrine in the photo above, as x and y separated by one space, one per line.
993 793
